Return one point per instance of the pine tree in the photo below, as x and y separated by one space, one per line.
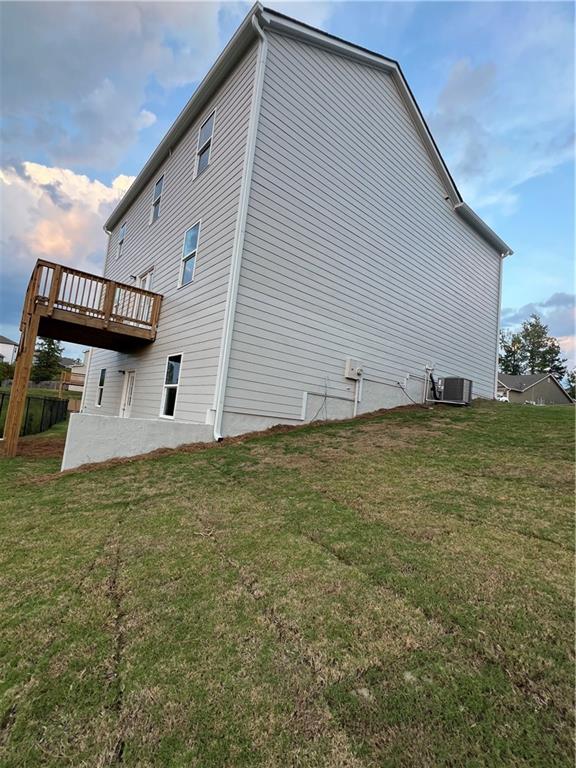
543 353
512 357
46 360
531 350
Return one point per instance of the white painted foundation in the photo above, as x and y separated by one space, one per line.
93 438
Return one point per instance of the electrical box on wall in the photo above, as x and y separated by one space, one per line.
352 369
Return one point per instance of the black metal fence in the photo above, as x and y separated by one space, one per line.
40 413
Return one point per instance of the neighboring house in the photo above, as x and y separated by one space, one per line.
539 388
8 350
78 373
311 249
67 363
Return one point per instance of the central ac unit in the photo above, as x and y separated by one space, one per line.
451 390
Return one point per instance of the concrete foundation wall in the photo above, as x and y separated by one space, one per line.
93 438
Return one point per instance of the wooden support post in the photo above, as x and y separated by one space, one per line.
109 296
54 287
19 389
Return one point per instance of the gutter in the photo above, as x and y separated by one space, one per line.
474 221
240 231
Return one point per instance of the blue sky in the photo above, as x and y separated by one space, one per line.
89 89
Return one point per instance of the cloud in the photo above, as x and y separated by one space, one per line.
51 213
559 314
508 116
54 213
75 76
314 13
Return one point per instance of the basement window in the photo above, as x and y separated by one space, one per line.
155 214
204 144
121 238
100 391
171 381
189 254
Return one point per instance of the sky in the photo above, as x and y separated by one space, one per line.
87 91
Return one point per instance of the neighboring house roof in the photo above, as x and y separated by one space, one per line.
526 381
247 34
6 340
68 362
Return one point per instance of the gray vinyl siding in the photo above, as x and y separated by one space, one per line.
351 248
192 316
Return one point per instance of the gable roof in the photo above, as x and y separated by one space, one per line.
6 340
247 34
523 382
68 362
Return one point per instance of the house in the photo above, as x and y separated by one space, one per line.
67 363
294 249
8 350
78 373
538 388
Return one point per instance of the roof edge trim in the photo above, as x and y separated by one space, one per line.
478 224
233 51
281 24
236 47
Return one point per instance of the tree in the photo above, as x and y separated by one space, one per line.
46 360
531 350
571 388
6 370
543 353
512 357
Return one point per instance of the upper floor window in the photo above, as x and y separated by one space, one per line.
204 144
156 199
100 390
171 382
121 238
189 254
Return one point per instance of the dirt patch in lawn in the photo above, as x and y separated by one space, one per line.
39 447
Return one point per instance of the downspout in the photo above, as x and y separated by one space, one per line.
498 320
86 375
240 231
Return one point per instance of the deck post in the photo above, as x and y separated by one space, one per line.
19 389
109 297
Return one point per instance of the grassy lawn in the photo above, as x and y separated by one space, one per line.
396 591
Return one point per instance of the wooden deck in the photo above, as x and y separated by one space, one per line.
87 309
69 305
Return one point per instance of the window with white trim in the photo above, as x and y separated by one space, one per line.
100 391
204 144
156 200
121 238
171 381
189 252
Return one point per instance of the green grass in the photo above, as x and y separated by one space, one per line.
396 591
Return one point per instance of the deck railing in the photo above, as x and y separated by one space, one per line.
54 286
